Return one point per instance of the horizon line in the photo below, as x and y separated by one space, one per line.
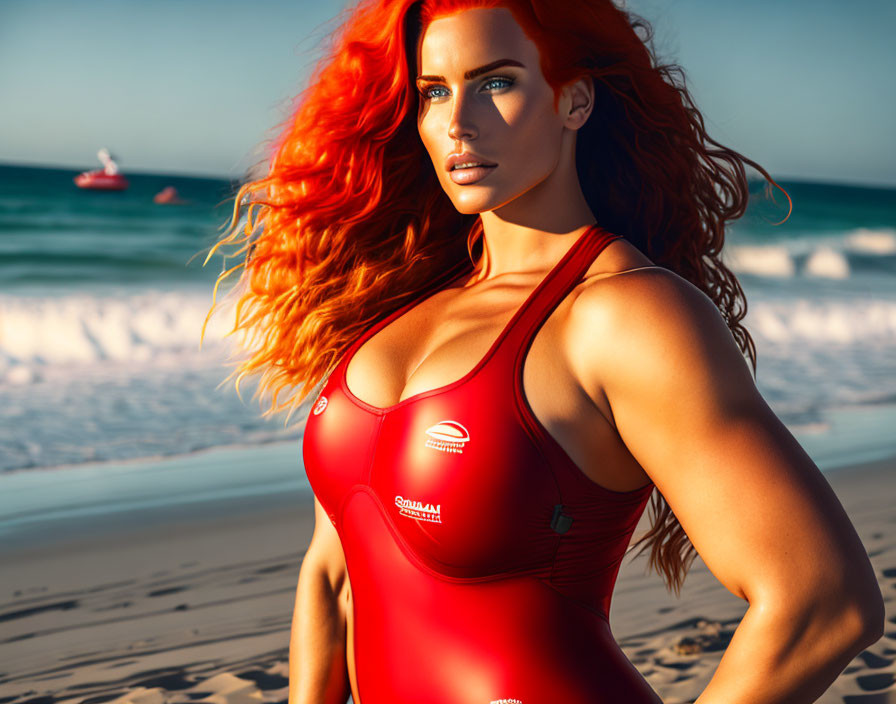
220 176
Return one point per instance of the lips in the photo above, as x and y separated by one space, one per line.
470 175
466 168
466 158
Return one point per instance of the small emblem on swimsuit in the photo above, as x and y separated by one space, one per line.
419 510
320 405
506 701
447 436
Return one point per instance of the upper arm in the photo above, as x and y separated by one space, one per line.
325 549
749 498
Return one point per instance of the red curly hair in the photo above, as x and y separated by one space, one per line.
349 222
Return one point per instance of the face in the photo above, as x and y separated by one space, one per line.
482 93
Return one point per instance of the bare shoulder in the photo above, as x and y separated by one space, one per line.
623 281
638 326
649 302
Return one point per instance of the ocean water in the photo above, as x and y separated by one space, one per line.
102 297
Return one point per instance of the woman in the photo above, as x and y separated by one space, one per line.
518 346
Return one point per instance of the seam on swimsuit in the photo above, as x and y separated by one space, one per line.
591 609
418 561
372 447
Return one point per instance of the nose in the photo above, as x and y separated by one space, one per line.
461 126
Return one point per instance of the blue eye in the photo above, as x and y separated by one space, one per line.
496 83
506 81
427 92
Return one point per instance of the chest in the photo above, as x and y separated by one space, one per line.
432 345
463 486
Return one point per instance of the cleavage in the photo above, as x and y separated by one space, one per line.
434 344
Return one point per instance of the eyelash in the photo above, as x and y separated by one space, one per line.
425 90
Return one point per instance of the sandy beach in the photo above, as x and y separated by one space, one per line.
193 601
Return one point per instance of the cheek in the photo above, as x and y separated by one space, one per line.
534 132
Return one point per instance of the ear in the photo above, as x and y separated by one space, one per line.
576 102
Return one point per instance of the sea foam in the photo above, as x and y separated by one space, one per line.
145 328
829 257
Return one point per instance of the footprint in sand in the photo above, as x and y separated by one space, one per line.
265 679
167 590
873 661
169 681
712 637
880 680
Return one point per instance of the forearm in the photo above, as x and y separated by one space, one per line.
317 648
778 657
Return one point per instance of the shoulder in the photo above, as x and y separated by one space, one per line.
648 299
647 329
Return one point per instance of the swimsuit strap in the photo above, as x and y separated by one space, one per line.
554 288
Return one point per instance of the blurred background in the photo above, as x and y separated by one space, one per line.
102 292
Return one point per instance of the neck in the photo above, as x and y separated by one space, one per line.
533 231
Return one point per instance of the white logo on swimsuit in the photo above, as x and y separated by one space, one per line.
447 436
417 509
506 701
320 405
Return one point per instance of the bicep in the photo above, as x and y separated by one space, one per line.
751 501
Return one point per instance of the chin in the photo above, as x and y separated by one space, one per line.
471 208
470 203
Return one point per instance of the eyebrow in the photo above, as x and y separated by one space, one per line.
473 73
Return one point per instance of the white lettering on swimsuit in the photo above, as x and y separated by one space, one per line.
447 436
320 405
419 510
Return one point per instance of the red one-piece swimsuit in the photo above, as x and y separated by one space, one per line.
481 558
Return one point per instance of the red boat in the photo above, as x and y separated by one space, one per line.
100 180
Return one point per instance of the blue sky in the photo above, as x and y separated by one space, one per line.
804 87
